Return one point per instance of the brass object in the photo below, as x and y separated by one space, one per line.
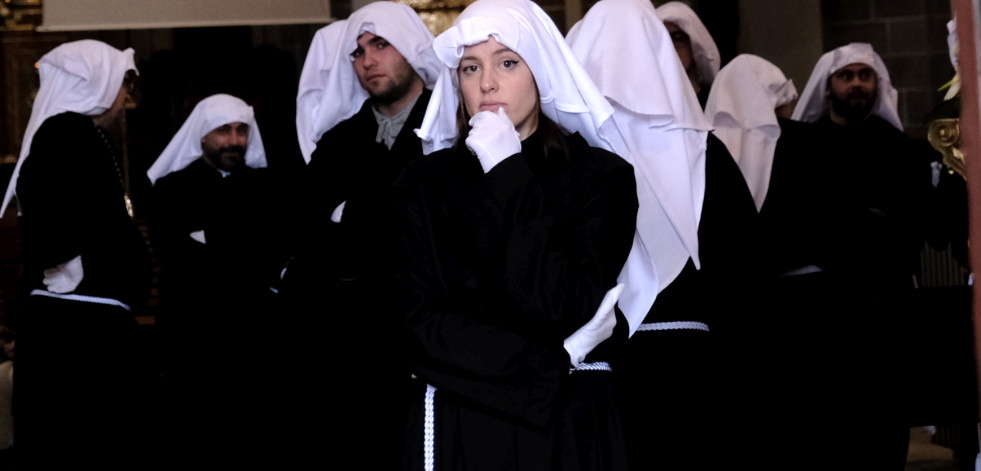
945 136
438 15
20 15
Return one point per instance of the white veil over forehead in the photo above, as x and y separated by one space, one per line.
741 107
209 114
813 104
82 77
402 28
704 50
629 53
310 95
568 95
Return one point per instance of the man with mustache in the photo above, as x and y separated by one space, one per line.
372 86
861 200
216 235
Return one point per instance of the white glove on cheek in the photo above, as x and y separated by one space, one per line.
64 278
492 138
598 329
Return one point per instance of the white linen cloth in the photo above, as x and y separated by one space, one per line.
704 50
402 28
321 57
568 95
83 77
661 131
741 107
813 102
209 114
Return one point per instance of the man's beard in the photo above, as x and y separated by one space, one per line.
228 158
855 107
397 89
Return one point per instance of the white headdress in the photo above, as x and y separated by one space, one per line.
813 102
662 131
209 114
82 77
704 50
568 95
310 97
402 28
741 107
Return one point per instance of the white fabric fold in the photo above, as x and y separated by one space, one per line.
402 28
813 104
209 114
321 58
659 129
704 50
568 95
742 107
82 77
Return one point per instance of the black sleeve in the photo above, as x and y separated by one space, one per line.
502 347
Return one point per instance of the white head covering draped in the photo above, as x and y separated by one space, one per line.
401 27
628 52
741 107
83 77
813 102
704 50
321 57
210 113
568 95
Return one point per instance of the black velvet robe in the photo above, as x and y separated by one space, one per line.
675 396
337 297
494 271
220 319
847 200
78 384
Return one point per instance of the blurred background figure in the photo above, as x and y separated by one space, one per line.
695 47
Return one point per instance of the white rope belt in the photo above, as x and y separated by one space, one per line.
429 424
597 366
429 431
82 298
678 325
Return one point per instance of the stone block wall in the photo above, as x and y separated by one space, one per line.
911 37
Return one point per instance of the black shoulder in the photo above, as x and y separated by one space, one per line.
595 156
64 125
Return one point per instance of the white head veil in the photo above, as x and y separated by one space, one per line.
209 114
568 95
401 27
628 52
83 77
813 102
741 107
704 50
320 59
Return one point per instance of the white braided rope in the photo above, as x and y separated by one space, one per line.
429 433
678 325
597 366
82 298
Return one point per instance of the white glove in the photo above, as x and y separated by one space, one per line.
598 329
338 212
492 138
64 278
198 236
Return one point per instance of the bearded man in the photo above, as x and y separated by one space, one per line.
216 231
868 184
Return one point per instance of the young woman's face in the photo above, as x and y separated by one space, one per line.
493 76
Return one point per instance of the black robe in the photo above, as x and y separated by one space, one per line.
848 202
675 396
78 382
494 271
335 295
220 319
